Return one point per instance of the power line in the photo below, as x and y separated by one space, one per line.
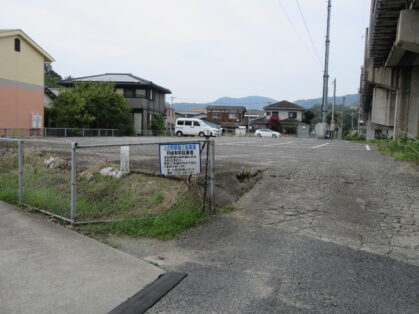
308 32
295 30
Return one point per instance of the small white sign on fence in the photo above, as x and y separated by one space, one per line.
180 159
125 159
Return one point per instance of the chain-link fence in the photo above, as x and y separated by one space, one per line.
105 182
58 132
9 170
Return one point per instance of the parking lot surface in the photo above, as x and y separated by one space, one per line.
332 227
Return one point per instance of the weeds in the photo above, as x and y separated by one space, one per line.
186 214
165 207
401 149
226 209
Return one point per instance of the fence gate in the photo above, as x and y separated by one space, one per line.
303 130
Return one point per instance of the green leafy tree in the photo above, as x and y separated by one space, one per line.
157 125
92 105
51 77
308 116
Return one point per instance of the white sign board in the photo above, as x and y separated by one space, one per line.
180 159
125 159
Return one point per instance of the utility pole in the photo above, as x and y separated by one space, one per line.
343 105
334 103
326 63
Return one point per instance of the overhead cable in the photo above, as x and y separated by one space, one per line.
297 33
308 31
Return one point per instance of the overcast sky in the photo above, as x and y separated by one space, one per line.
201 49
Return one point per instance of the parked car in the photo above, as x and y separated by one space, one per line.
190 126
267 133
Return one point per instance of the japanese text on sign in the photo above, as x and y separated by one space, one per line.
180 159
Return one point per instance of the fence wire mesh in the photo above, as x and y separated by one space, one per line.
46 177
94 183
9 182
142 193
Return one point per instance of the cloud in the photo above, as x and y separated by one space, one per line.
199 49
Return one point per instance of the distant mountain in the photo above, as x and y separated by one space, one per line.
258 102
250 102
308 103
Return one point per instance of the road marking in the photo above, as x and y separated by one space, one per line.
271 145
320 145
367 147
236 143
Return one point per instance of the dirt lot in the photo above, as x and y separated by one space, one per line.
332 227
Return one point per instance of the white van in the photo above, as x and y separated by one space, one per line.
189 126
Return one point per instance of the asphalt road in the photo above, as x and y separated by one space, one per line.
331 228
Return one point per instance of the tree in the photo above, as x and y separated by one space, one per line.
92 105
274 123
308 116
51 77
157 125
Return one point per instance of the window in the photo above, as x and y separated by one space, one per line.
292 115
232 115
195 123
268 113
151 94
119 91
215 115
275 113
189 123
180 122
134 93
128 93
140 93
17 44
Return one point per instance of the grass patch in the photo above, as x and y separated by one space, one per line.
155 199
401 149
226 209
166 207
355 138
186 214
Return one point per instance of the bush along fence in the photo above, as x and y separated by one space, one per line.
83 184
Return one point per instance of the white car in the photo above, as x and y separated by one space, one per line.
190 126
267 133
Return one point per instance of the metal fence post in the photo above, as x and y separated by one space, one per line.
73 182
20 170
65 132
212 177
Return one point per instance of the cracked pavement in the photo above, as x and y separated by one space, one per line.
332 229
370 204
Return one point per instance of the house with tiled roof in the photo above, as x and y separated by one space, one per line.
146 98
287 114
228 117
